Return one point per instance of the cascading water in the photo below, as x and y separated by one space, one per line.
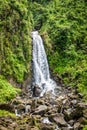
41 73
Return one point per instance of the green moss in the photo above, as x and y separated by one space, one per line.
85 127
6 113
7 91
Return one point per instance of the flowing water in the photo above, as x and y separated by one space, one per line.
41 74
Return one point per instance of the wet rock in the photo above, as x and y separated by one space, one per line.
7 106
40 101
33 104
21 106
68 113
27 108
85 113
36 91
47 127
41 109
74 102
52 111
73 113
80 95
17 101
14 125
67 128
46 121
3 128
60 98
76 126
52 101
71 122
34 128
82 105
28 102
72 96
20 109
59 119
81 120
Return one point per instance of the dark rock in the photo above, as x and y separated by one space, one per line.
7 106
68 113
80 95
46 127
72 96
40 109
71 122
67 128
52 111
59 119
21 106
36 91
81 120
33 104
85 113
73 113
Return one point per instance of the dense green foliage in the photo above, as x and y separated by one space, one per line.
64 24
15 45
6 113
15 42
7 91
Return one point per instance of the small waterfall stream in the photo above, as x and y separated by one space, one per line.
41 74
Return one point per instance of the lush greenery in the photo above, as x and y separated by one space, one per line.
15 41
6 113
7 91
15 45
64 26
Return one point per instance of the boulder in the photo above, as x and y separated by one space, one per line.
76 126
34 128
59 119
33 104
71 122
41 109
27 108
68 113
46 127
3 128
7 106
85 113
36 91
67 128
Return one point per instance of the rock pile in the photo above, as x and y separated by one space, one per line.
63 112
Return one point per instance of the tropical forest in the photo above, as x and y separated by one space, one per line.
43 65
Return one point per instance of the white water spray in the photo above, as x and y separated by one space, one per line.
41 73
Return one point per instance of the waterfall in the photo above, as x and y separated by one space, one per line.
41 74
